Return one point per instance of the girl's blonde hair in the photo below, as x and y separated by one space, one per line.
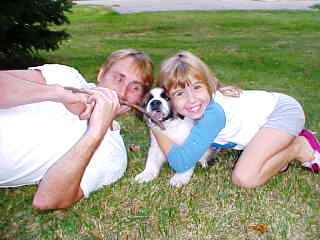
178 70
141 63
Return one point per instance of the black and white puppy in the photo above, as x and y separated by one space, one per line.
176 128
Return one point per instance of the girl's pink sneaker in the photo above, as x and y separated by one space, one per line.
314 165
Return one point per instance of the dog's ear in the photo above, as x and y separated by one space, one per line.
176 115
145 100
143 104
173 114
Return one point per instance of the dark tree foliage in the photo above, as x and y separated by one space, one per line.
25 27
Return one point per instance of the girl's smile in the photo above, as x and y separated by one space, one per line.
192 100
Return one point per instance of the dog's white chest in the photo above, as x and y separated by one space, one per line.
177 129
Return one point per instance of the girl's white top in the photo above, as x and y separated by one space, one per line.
245 115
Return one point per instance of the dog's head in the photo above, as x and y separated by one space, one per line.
158 105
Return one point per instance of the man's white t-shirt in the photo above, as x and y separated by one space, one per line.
34 136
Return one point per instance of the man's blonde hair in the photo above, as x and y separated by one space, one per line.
141 63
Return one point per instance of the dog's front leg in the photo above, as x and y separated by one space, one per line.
205 158
180 179
154 163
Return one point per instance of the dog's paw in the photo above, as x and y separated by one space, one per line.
204 163
146 176
180 179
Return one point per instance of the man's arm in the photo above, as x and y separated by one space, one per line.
60 187
24 87
19 87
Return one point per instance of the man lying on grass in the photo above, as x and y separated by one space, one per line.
67 142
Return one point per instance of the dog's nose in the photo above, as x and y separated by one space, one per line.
155 105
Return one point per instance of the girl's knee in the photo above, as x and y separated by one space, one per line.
245 181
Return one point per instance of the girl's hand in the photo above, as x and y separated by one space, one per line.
230 91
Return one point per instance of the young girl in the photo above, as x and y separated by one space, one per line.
268 126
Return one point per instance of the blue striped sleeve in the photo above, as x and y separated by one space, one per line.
185 156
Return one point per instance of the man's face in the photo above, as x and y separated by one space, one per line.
125 80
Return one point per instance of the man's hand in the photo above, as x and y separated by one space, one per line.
99 105
76 103
106 107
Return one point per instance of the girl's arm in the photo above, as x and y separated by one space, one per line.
185 156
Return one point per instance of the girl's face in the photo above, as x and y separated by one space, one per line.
192 100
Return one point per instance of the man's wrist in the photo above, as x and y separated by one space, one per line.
56 93
95 137
98 132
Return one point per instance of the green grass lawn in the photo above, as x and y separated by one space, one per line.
272 50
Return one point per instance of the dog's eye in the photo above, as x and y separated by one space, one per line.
148 99
164 96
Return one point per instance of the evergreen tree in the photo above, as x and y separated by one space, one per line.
25 26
